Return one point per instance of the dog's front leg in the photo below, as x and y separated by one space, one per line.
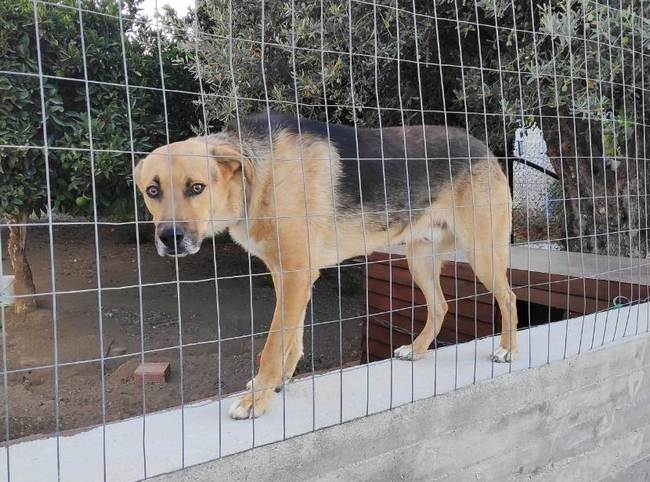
292 295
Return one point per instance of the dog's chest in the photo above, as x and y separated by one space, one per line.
240 235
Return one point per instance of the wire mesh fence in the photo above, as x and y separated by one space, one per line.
376 199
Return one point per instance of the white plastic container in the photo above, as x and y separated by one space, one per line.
7 293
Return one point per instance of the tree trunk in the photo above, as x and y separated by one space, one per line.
24 282
605 199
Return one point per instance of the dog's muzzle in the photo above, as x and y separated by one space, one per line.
171 240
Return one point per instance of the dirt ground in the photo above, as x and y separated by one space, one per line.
216 337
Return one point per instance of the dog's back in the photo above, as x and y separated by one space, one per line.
394 171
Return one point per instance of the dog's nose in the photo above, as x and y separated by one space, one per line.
171 237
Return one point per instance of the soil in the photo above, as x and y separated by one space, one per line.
206 337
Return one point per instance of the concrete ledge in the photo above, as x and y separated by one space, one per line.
585 418
583 412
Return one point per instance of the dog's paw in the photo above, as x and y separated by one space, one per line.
251 405
406 352
277 389
501 355
240 410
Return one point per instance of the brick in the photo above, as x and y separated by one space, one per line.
152 372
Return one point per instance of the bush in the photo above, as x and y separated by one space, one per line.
23 190
67 118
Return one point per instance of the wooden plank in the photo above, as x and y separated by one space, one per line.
466 289
400 292
458 270
408 294
403 277
467 326
400 323
590 287
378 302
379 342
398 261
562 289
560 283
379 331
576 304
381 302
576 265
382 272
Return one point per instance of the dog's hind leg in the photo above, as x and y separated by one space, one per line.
491 270
425 268
483 227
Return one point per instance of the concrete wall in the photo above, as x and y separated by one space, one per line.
584 419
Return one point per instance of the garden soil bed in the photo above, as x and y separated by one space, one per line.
216 339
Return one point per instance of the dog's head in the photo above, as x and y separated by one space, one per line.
193 190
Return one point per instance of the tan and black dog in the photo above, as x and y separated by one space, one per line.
302 195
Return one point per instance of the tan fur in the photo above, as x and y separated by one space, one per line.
292 226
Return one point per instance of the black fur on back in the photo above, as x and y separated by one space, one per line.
411 181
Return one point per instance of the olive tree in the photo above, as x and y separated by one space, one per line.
304 63
573 67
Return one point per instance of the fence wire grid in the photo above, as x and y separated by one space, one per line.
556 90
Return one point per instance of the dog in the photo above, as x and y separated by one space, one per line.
302 195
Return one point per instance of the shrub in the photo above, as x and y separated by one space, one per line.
23 190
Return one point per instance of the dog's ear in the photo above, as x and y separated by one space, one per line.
231 161
137 171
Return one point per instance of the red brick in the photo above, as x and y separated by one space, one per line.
152 372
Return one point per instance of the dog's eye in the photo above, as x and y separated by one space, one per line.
197 188
153 192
